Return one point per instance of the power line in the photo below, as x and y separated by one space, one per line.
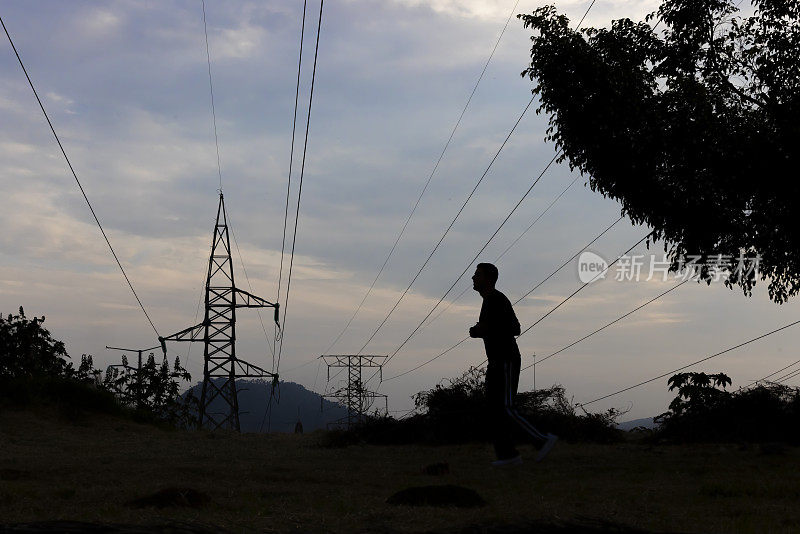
601 328
580 23
250 286
264 418
211 88
300 366
427 183
690 365
469 264
291 150
526 230
289 182
580 288
498 258
773 373
423 364
787 377
219 172
449 227
618 319
548 277
197 313
459 211
300 188
456 217
566 299
568 260
83 192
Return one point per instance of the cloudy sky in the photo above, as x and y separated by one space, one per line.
126 85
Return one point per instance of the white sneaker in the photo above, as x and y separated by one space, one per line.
547 447
508 462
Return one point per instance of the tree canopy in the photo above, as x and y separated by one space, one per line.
689 119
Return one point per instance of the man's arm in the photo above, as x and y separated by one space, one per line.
476 331
515 327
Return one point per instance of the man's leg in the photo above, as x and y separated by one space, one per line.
497 386
512 378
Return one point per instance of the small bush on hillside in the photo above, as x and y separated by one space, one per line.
152 391
703 411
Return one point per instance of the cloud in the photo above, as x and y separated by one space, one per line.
240 42
498 10
99 22
481 9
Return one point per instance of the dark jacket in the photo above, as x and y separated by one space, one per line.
498 326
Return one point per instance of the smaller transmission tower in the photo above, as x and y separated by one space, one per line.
355 396
138 370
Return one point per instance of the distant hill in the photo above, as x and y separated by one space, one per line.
646 422
295 403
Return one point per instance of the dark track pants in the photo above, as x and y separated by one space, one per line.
502 380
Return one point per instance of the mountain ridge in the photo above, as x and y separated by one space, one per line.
292 403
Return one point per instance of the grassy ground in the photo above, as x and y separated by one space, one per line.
88 468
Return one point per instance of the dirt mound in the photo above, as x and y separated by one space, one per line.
168 497
448 495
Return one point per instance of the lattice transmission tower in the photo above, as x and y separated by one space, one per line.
221 366
355 396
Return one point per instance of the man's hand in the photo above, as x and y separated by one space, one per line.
475 331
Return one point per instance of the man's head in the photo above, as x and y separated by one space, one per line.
484 278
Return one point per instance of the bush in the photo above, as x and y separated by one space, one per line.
28 350
35 367
704 412
152 391
448 414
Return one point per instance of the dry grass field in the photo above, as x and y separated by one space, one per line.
91 468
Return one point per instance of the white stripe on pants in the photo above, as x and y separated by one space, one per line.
511 374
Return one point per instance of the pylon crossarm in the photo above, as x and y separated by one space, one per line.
193 333
248 300
248 370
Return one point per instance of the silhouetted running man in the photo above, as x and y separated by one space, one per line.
498 326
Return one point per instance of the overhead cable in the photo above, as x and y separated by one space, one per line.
508 248
451 224
427 183
300 187
219 172
690 364
475 257
618 319
515 303
449 227
211 88
291 150
580 288
83 192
